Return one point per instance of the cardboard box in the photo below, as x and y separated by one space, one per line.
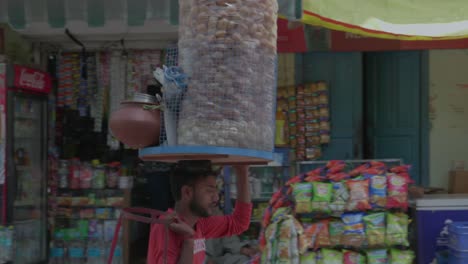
458 182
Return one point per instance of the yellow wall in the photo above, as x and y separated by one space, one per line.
448 78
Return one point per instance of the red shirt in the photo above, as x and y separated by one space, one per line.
205 228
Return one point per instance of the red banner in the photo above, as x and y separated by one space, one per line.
32 79
343 41
290 40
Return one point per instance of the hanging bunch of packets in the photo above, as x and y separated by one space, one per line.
313 120
349 214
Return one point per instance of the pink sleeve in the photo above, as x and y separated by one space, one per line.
228 225
156 246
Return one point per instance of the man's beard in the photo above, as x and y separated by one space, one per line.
197 209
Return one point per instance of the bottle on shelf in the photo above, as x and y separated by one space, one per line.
76 252
99 175
57 252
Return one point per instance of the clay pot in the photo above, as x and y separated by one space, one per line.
136 124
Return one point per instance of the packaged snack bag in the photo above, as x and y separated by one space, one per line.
378 256
339 199
397 191
397 230
330 256
351 257
354 234
375 229
358 195
322 194
318 234
309 258
336 230
401 256
302 193
378 191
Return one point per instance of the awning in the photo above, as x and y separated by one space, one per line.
394 19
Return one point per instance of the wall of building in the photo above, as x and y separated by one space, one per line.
448 79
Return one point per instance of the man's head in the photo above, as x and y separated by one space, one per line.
193 184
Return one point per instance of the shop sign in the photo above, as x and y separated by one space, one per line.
32 79
290 39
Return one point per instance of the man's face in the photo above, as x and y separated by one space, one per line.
205 197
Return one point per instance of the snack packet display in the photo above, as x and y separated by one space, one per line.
302 193
375 229
397 191
322 194
397 230
353 235
330 256
358 195
336 230
351 257
339 198
377 256
308 258
401 256
378 191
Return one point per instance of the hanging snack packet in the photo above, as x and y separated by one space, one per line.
323 238
358 195
397 230
397 191
330 256
378 191
309 258
401 256
339 198
322 194
351 257
354 234
375 229
336 230
302 193
378 256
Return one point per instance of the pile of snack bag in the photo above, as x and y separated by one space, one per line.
339 214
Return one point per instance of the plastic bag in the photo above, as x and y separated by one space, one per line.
358 195
378 256
401 256
322 194
302 195
336 230
339 198
397 230
330 256
351 257
397 191
353 235
378 191
309 258
375 229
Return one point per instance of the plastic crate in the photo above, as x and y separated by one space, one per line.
458 236
458 257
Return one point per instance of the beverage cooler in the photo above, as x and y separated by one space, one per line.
23 162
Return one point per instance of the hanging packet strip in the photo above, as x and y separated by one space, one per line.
378 191
351 257
401 256
378 256
397 230
375 229
302 195
397 191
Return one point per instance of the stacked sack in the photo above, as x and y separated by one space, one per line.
228 50
348 215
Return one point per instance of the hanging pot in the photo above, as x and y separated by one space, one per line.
137 123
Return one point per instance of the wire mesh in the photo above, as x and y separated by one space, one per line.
228 50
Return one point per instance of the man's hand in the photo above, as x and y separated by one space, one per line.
180 227
248 251
243 186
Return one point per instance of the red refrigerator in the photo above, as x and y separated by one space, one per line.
23 160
